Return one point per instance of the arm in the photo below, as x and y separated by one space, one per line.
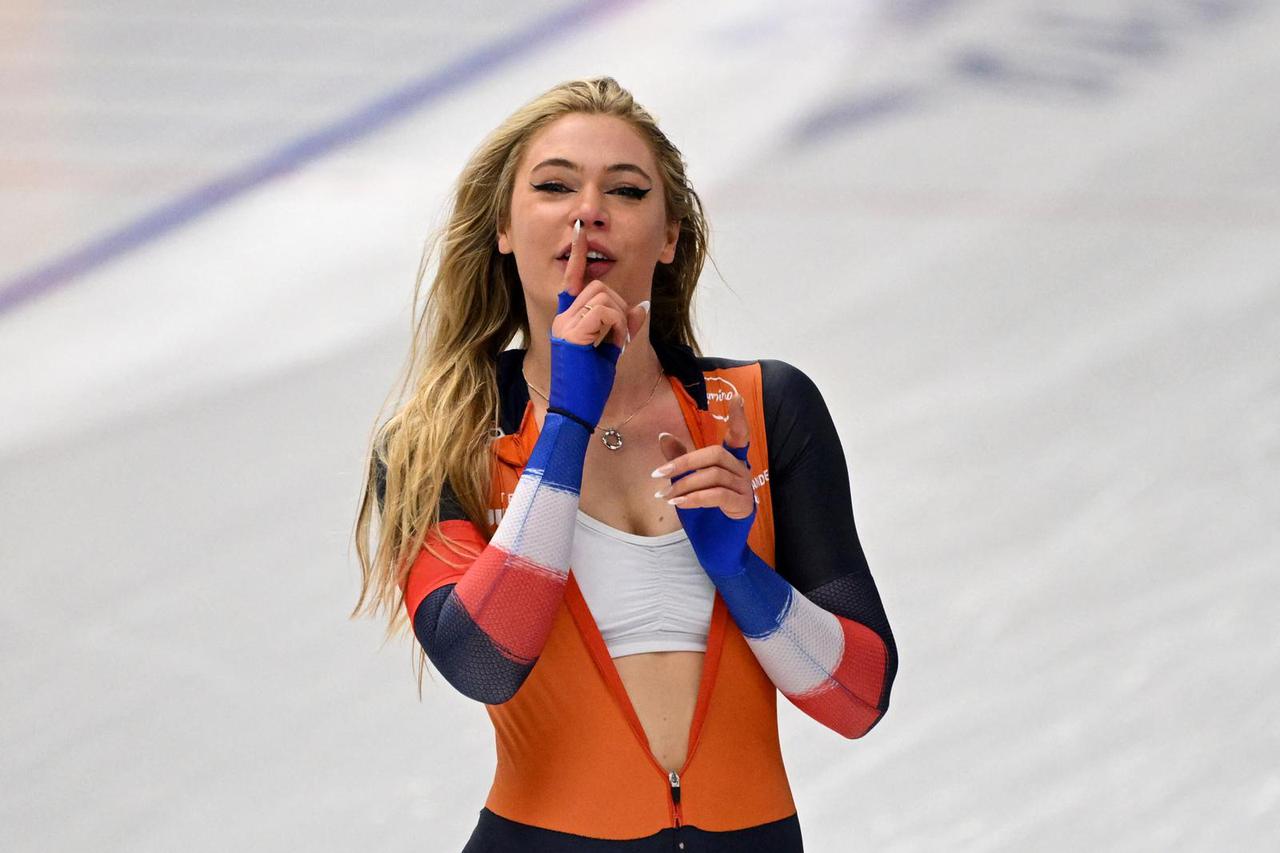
816 624
483 625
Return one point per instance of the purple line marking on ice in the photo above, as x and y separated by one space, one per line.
376 115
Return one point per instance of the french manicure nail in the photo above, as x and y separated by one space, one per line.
678 501
663 493
577 226
661 471
645 306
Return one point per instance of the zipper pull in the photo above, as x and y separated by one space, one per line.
674 778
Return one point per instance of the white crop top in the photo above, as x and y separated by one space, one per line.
646 593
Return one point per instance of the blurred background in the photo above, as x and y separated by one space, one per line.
1029 251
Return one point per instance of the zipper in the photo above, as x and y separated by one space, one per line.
674 778
588 629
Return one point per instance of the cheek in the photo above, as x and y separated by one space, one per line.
524 230
658 238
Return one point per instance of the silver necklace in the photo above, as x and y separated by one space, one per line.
611 437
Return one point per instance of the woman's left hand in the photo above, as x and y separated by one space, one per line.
711 491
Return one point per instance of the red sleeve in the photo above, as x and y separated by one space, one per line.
431 571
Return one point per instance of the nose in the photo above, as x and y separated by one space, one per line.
591 208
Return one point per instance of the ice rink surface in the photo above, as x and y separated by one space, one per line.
1029 251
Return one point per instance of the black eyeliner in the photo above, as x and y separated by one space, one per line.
637 193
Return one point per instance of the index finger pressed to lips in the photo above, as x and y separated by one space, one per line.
575 296
575 272
576 269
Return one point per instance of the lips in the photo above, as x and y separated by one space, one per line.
595 269
592 246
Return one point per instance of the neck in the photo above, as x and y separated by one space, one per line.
638 369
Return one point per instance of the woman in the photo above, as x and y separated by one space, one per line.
649 720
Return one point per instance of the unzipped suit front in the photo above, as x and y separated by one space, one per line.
574 769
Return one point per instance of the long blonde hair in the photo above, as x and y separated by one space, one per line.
473 311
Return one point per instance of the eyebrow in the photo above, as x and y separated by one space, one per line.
569 164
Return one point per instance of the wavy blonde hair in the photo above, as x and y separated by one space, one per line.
473 311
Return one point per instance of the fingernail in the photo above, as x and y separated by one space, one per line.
645 306
661 471
577 227
661 434
678 501
663 493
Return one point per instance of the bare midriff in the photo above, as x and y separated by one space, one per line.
618 490
663 687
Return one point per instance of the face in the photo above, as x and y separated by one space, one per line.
600 170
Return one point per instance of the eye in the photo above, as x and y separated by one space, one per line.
556 187
632 192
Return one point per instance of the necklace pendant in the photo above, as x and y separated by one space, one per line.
612 439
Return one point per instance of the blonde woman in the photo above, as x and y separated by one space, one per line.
623 548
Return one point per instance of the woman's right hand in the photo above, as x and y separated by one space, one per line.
591 328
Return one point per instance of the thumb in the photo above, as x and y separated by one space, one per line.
637 316
670 446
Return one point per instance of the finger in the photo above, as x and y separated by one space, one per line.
615 299
611 325
729 502
617 316
595 292
738 433
704 457
637 315
671 447
596 321
575 270
707 478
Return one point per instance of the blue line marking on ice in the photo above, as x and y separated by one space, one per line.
376 115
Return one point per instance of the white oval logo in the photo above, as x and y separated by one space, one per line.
719 392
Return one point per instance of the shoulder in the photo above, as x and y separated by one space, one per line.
797 421
773 372
783 378
779 380
450 505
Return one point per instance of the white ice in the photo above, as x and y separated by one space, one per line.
1029 251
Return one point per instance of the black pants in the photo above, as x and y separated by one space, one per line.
496 834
